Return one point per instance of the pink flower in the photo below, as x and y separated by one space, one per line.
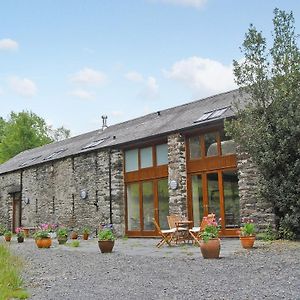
19 229
44 226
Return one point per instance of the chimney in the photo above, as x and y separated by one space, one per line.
104 122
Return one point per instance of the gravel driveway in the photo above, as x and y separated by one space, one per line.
137 270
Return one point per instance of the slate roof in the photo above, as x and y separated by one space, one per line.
152 125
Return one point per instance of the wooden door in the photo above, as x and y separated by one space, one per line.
17 211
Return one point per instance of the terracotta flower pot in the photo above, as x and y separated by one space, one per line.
43 243
106 246
247 241
7 238
74 235
26 232
211 248
85 236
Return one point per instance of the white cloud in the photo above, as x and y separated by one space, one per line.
1 91
192 3
147 110
134 76
82 94
89 50
117 113
149 86
23 86
203 74
150 91
8 44
89 76
152 85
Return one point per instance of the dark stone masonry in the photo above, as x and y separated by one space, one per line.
53 191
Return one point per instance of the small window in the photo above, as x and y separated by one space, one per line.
146 157
131 160
54 154
212 114
228 145
29 161
93 144
217 113
162 154
204 117
195 148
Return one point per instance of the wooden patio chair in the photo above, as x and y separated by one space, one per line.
195 231
167 235
180 232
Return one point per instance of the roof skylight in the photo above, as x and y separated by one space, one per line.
93 144
55 154
212 114
29 161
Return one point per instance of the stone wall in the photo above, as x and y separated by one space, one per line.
251 205
53 190
177 173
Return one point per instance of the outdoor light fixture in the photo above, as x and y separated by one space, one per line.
83 194
173 184
26 201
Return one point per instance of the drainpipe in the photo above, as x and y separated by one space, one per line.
109 184
21 197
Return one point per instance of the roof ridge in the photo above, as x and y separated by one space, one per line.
174 107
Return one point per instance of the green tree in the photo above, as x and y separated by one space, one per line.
23 131
58 134
2 127
268 127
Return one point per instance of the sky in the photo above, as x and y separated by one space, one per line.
72 61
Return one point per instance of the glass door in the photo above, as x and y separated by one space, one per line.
148 206
231 199
216 192
163 203
147 200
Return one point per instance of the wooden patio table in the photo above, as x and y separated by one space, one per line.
28 230
185 235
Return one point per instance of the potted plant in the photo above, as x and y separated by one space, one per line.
74 235
247 233
52 230
106 239
42 238
8 235
86 232
20 234
209 238
62 235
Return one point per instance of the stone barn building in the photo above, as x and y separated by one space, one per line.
174 161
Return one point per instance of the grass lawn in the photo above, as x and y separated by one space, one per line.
10 280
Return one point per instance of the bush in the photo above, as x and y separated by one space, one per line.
286 230
268 234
